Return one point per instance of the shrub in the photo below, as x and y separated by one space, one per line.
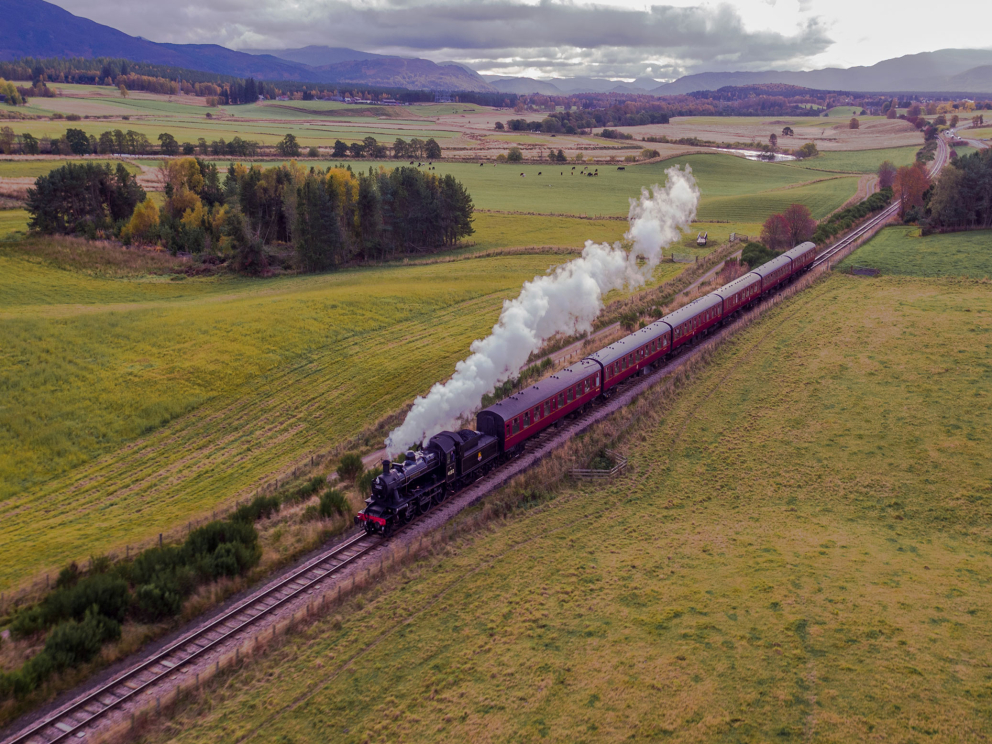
68 576
32 674
108 593
154 561
755 254
311 513
515 155
305 491
75 642
364 483
260 507
629 320
72 117
333 502
313 152
350 467
153 602
207 539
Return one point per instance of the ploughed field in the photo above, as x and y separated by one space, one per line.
798 551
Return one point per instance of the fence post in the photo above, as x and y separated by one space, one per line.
160 539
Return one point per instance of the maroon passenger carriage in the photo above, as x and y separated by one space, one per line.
516 419
634 353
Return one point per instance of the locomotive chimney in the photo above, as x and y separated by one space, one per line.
385 467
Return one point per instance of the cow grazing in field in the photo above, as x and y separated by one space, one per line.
539 173
573 167
620 167
523 175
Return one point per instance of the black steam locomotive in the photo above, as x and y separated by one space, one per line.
450 461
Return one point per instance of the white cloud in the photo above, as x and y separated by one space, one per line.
615 38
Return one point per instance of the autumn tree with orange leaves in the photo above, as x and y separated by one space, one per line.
911 183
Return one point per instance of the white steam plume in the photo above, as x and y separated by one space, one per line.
566 300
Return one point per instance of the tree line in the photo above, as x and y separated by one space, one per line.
961 196
120 142
328 217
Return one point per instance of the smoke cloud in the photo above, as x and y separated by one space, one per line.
567 300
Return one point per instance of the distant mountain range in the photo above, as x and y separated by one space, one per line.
947 70
568 86
35 28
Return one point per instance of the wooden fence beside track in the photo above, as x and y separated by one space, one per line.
590 474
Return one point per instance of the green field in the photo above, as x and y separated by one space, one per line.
859 161
965 151
798 552
733 189
35 168
900 251
13 222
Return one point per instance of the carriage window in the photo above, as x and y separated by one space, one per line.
527 419
537 413
547 408
571 394
561 399
597 380
509 428
516 425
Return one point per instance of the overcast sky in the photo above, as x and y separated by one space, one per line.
615 39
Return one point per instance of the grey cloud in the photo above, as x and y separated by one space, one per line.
559 38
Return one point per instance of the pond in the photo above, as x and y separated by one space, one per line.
768 157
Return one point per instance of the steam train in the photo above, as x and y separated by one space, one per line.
452 460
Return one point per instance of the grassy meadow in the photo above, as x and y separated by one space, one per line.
733 189
858 161
13 223
799 551
901 251
35 168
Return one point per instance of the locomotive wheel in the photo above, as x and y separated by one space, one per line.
439 499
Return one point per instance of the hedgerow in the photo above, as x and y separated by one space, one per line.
84 612
846 218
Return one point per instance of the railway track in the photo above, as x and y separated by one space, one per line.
943 156
72 720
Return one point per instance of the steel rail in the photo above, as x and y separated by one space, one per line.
188 643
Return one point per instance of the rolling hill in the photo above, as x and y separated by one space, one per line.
35 28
